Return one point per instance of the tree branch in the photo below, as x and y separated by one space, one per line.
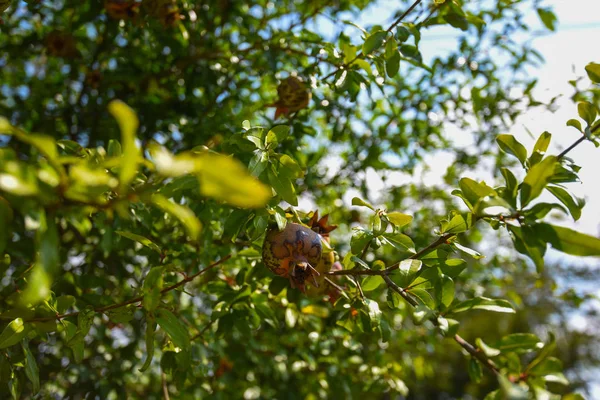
581 139
472 350
432 246
138 299
360 55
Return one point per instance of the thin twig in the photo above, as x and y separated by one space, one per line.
581 139
201 333
134 300
165 389
360 54
472 350
441 240
571 147
477 354
400 18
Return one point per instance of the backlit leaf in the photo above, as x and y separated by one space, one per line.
182 213
226 179
128 123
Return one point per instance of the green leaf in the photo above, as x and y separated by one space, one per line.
407 270
153 284
170 165
31 368
6 216
456 20
140 239
122 314
540 210
540 148
593 71
13 333
452 267
289 167
174 328
548 18
547 366
258 163
492 207
568 241
374 313
444 290
473 191
456 225
226 179
356 201
392 64
402 34
399 219
373 42
575 124
371 283
512 187
393 299
519 342
475 372
128 123
510 391
114 148
541 363
533 250
411 52
487 350
277 135
483 303
473 253
574 204
183 214
399 241
364 64
510 145
424 298
149 338
536 179
360 239
391 47
47 263
64 303
283 186
587 111
422 312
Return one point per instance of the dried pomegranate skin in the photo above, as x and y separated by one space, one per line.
295 244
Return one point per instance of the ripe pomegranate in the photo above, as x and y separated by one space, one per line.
292 253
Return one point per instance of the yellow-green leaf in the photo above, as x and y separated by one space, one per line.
509 144
182 213
536 179
128 123
226 179
593 71
171 165
140 239
399 219
13 333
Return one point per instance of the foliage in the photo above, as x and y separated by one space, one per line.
139 172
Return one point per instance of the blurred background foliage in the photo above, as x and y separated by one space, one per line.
105 234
